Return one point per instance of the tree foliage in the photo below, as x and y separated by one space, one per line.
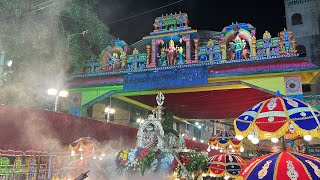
43 38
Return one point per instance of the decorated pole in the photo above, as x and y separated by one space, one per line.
174 154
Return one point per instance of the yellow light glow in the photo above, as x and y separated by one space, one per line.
63 93
52 91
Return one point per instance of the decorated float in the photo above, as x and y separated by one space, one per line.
160 152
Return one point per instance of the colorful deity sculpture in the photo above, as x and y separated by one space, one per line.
287 43
162 57
171 53
180 51
238 46
123 58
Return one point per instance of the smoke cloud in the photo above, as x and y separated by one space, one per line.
35 42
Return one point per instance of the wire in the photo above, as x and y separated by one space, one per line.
34 10
144 12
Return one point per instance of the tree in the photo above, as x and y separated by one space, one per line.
44 39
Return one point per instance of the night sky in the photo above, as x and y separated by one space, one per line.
203 15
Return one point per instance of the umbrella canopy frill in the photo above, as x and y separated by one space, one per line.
224 139
279 116
225 164
282 165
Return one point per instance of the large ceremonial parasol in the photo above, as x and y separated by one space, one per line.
282 165
226 165
276 117
225 140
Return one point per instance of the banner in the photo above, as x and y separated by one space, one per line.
293 86
166 79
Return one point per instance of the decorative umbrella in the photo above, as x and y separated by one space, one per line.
85 146
225 140
282 165
275 117
225 165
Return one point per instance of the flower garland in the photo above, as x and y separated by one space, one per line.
143 161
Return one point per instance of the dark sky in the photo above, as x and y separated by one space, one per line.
203 15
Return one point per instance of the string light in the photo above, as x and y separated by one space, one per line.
80 149
255 141
307 137
241 149
274 140
73 152
239 137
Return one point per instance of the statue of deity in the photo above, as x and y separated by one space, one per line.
171 53
238 45
180 51
163 57
123 58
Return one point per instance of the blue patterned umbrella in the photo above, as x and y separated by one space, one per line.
282 166
277 116
225 165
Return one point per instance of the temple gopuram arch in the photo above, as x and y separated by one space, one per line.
198 72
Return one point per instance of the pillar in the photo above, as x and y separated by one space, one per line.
152 62
188 51
223 50
148 54
253 47
196 45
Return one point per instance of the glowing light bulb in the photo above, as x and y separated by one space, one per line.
274 140
226 177
201 141
255 141
80 149
204 175
307 137
100 158
196 123
250 136
94 157
212 175
239 137
194 138
208 149
72 153
230 146
217 147
81 157
233 150
241 149
103 154
221 151
112 111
